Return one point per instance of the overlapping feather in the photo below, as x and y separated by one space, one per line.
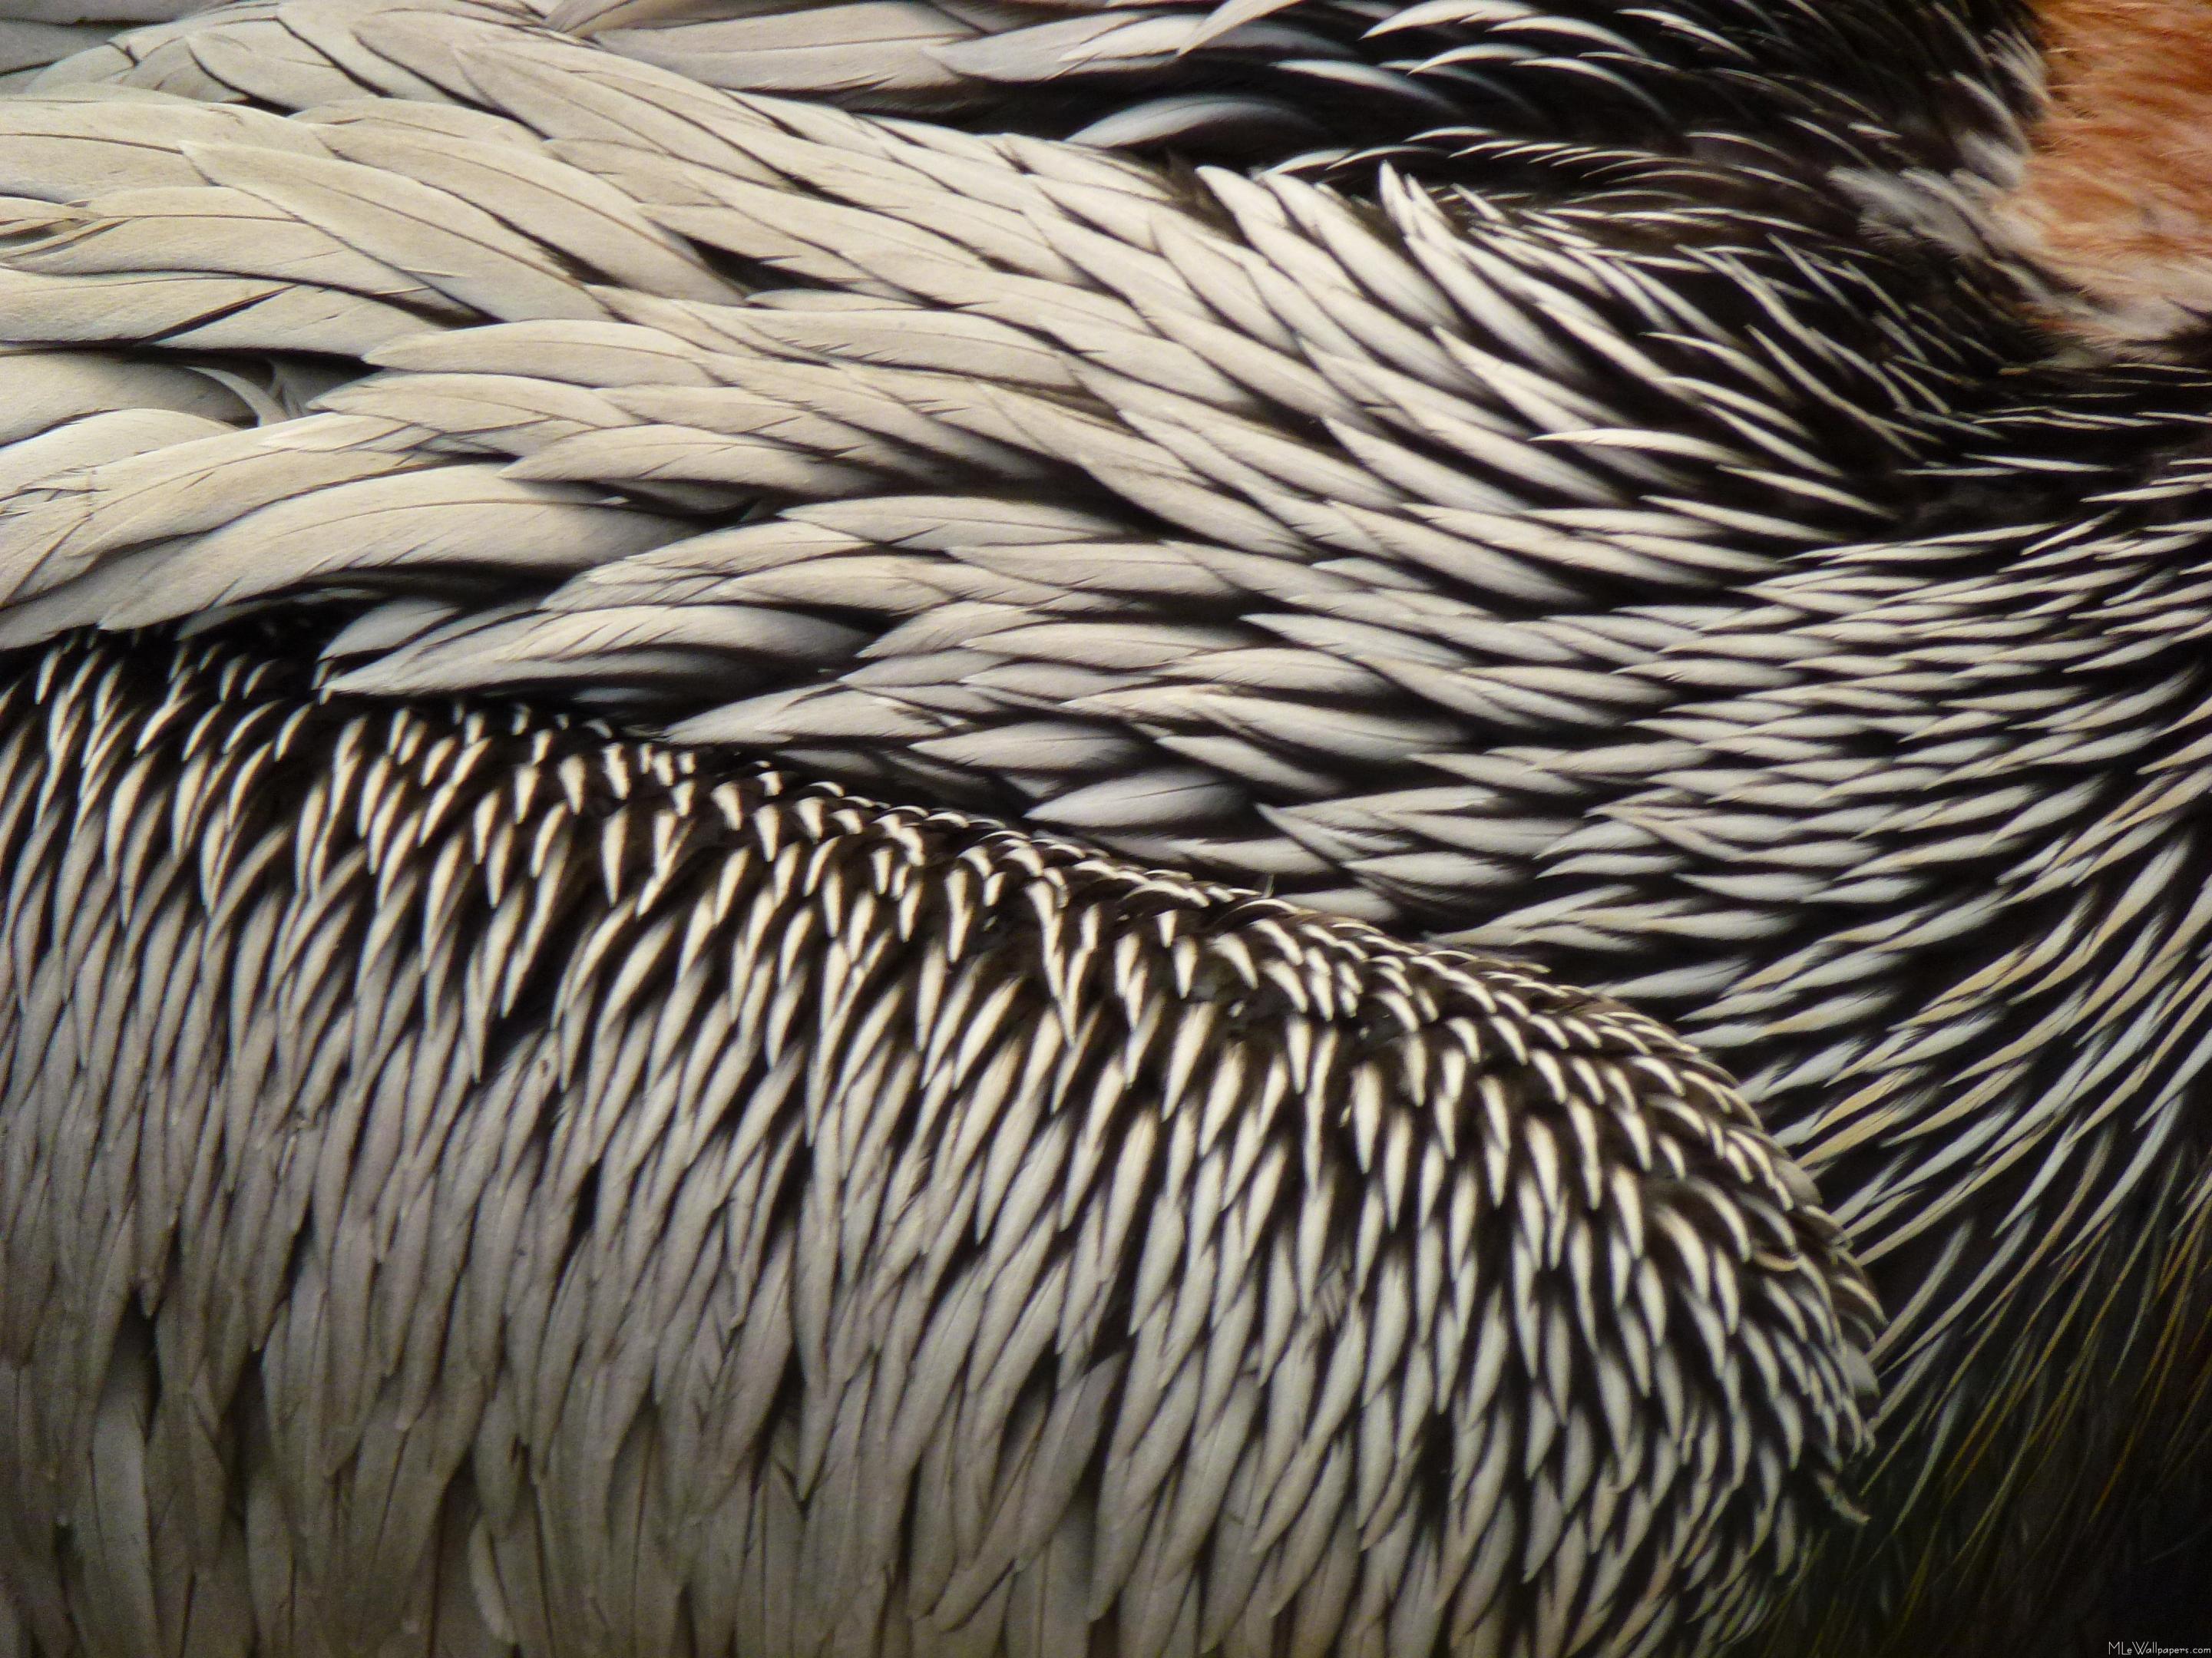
1597 541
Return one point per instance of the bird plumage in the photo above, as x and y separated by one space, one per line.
1649 529
475 1171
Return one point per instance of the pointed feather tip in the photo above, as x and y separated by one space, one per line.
1161 120
1230 14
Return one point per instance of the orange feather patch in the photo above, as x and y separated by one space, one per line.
2117 197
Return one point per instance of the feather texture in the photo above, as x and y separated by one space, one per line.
1600 493
522 1142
